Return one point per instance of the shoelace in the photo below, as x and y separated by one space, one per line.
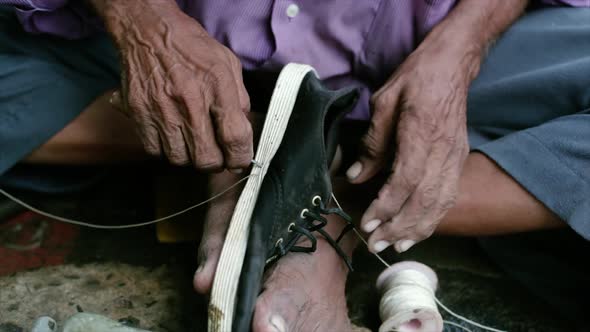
312 220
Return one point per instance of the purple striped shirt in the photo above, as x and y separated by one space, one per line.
349 42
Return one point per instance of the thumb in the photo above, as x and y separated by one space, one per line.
377 141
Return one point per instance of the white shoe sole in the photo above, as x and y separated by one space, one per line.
227 275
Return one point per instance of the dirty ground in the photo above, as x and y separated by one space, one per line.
49 268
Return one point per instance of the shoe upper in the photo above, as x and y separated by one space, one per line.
296 189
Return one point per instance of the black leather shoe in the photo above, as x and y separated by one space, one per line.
286 196
296 190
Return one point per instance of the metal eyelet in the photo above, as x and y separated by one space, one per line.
290 226
279 241
303 212
316 200
270 259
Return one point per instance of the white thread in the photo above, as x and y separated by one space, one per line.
407 304
419 288
457 325
445 308
139 224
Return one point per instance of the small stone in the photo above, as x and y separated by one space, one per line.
13 307
123 303
54 283
92 283
130 321
150 304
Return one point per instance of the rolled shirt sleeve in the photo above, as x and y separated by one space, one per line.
63 18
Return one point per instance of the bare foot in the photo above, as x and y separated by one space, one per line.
217 221
304 292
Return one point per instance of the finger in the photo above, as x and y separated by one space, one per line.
170 124
421 213
204 150
175 146
242 92
408 171
147 129
406 228
376 143
405 232
234 132
150 138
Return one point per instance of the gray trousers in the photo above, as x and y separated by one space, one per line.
529 110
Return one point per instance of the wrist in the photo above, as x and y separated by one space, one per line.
462 53
121 16
469 30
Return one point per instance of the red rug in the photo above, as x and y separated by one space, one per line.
30 241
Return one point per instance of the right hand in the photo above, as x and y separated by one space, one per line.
183 89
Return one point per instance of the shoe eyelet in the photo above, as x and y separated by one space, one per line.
303 212
316 200
290 226
270 259
279 242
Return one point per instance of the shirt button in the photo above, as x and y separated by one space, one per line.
292 10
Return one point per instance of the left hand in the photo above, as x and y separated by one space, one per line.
424 104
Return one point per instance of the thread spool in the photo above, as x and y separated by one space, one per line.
408 299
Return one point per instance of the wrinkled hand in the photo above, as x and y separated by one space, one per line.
424 105
183 89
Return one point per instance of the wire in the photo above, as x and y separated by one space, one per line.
139 224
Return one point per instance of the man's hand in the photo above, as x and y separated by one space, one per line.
183 88
426 97
421 112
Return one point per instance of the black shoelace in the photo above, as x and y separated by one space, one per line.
309 221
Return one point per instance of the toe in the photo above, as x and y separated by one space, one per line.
266 317
209 250
216 223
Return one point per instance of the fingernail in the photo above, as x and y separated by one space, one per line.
114 100
200 269
404 245
236 170
354 170
279 323
380 246
371 225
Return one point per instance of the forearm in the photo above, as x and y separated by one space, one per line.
470 28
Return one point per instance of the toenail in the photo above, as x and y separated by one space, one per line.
404 245
236 170
200 269
380 246
279 323
372 225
